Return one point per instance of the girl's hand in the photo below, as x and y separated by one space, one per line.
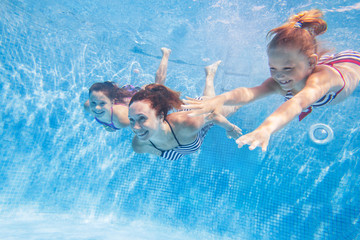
204 106
257 138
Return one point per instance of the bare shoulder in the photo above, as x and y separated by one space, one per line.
325 77
121 114
183 120
185 126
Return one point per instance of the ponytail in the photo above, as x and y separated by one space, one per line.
299 31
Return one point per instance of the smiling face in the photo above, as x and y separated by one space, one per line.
143 120
289 68
100 105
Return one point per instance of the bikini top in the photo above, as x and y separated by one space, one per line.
345 56
110 126
181 150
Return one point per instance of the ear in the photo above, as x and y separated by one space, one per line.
313 59
161 116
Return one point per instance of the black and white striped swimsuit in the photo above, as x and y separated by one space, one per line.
181 150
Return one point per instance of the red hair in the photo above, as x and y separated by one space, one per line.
161 98
299 32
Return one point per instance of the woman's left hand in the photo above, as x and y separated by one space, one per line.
257 138
235 133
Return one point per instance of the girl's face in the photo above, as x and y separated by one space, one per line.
100 105
143 120
290 68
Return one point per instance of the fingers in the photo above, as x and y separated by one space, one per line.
253 143
264 146
191 101
191 106
195 113
241 142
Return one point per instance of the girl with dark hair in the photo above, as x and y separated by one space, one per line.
169 134
108 103
299 72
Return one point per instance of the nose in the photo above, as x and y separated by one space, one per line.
279 75
98 107
136 126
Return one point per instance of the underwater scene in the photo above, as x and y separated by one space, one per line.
62 176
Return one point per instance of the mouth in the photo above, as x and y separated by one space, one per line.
141 134
284 82
99 114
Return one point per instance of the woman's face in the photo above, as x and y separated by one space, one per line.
289 68
100 105
143 120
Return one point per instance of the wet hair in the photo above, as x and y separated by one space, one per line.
162 99
300 32
112 91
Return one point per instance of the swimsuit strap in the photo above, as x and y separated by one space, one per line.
172 131
156 147
342 77
111 124
309 109
112 113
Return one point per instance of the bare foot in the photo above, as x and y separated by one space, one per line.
165 51
211 69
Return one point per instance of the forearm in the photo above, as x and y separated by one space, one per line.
238 96
222 121
281 117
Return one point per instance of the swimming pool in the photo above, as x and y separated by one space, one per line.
63 177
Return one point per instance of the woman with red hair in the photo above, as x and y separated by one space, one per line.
169 134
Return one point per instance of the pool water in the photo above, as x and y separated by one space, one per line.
63 177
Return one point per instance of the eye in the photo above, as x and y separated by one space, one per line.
288 69
272 69
142 119
93 103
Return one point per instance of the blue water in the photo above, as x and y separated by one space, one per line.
63 177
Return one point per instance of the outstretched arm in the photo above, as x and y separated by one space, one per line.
232 131
283 115
238 96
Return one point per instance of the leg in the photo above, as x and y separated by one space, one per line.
161 72
210 71
209 90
